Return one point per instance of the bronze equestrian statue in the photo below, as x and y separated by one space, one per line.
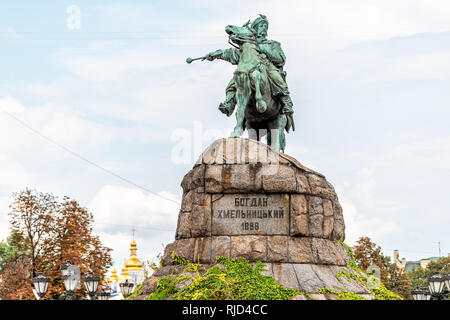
258 87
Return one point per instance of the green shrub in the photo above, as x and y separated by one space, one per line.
379 292
238 279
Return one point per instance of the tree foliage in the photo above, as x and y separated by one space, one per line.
47 233
419 276
367 253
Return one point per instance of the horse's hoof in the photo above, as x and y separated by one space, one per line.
224 109
237 133
261 106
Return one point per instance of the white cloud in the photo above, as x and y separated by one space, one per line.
358 225
111 65
117 205
117 210
423 154
121 82
59 123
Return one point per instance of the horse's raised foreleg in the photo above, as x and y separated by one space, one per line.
242 95
261 105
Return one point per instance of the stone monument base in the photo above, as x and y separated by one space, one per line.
242 199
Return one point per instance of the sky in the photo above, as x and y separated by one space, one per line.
96 99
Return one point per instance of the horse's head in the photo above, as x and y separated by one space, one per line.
240 35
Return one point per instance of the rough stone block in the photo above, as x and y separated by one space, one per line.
278 178
299 225
198 176
299 205
249 247
327 207
183 225
284 273
186 183
307 278
350 285
316 225
232 150
187 200
185 248
299 216
314 205
200 198
213 179
340 253
255 152
277 248
327 274
319 186
241 178
328 224
299 250
201 221
167 256
209 155
202 250
221 246
339 226
302 183
322 253
219 153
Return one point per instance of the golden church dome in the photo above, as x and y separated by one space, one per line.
133 264
113 278
124 275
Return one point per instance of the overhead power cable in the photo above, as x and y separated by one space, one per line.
85 159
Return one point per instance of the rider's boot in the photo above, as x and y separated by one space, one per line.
287 104
287 109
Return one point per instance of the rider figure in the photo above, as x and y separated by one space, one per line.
274 60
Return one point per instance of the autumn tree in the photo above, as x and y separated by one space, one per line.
46 234
72 240
367 253
8 251
30 217
14 272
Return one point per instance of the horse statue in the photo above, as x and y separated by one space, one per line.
259 110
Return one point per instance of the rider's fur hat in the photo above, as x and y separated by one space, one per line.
261 19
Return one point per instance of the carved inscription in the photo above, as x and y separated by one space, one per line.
240 214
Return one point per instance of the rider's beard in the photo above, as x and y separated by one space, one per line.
261 35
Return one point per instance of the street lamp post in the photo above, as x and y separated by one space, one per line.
103 295
91 284
41 285
70 284
71 279
421 294
126 288
447 281
436 285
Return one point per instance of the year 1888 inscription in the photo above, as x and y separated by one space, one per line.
240 214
